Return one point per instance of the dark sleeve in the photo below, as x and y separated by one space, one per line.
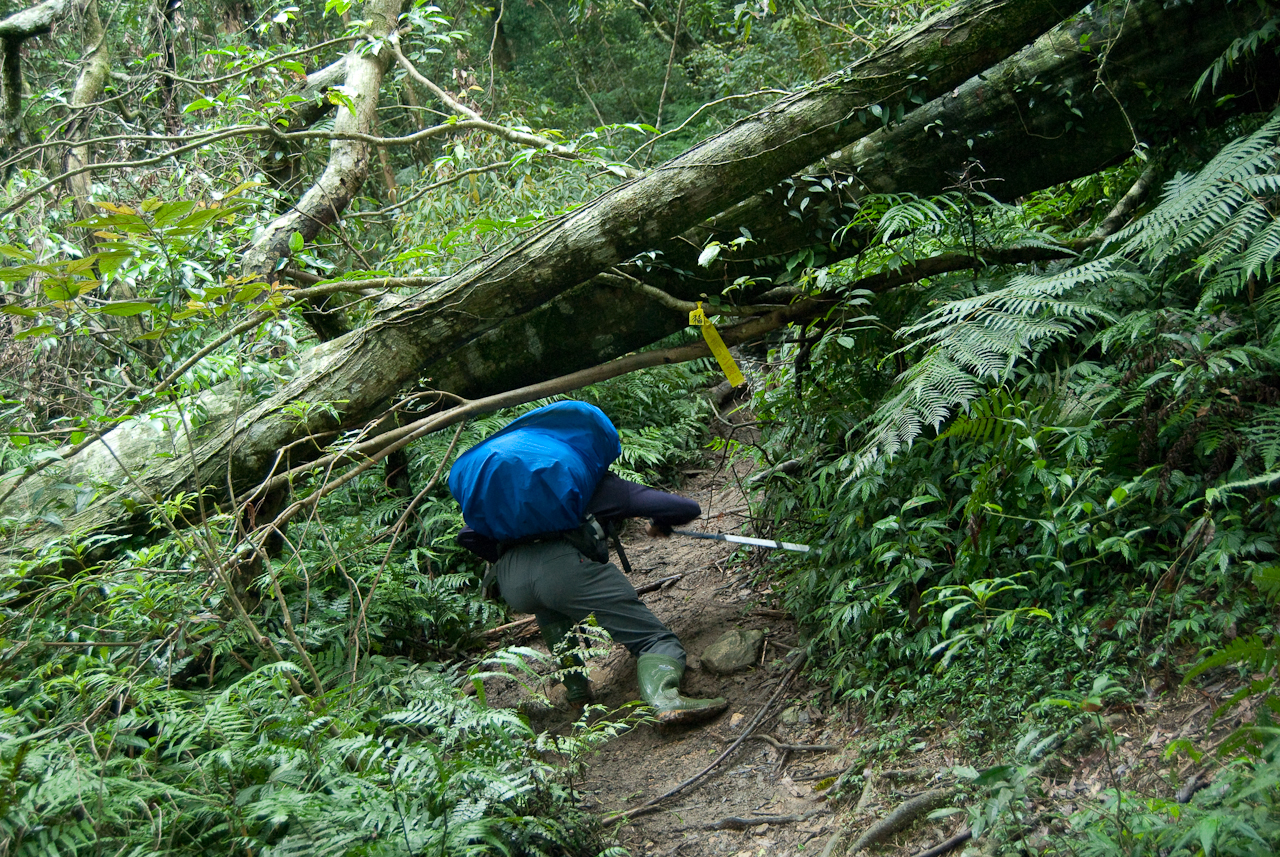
616 498
480 545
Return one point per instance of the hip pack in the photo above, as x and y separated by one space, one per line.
588 538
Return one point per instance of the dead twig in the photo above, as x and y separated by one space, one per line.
651 805
519 624
739 823
769 739
947 844
803 748
658 584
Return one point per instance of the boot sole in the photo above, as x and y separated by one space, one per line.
690 716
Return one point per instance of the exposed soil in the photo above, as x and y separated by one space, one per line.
771 795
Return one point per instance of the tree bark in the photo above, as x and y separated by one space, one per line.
1018 121
89 86
358 373
283 159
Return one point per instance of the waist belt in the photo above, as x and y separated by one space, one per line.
588 538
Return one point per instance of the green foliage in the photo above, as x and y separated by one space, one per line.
398 762
320 723
1092 445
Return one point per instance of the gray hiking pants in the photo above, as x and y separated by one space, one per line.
561 587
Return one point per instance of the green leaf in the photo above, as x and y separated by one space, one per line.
60 290
16 274
127 308
249 292
14 309
35 331
109 263
709 254
296 243
172 212
201 218
951 612
1267 579
916 501
1208 831
198 104
13 251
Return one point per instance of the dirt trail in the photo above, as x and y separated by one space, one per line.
759 780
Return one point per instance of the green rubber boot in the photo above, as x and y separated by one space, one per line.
577 688
660 687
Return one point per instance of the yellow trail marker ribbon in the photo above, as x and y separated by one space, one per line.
717 346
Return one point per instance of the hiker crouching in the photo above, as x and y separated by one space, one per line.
564 576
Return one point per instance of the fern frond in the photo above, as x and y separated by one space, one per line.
974 340
1221 212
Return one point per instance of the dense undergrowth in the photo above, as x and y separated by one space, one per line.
1032 484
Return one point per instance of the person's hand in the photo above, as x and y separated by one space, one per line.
657 532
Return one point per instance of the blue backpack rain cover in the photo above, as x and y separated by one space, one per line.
537 474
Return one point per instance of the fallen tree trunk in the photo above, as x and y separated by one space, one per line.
1024 141
355 376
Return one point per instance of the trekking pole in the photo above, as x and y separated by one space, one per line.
744 540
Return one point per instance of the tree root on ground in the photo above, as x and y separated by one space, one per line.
947 844
901 818
774 742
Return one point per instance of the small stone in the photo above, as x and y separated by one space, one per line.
760 830
735 651
790 715
736 720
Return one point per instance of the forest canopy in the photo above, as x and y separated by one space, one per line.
999 272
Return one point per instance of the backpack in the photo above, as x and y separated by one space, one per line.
536 475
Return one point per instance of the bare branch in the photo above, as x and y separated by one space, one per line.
511 135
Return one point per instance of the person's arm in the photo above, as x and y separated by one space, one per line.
615 498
